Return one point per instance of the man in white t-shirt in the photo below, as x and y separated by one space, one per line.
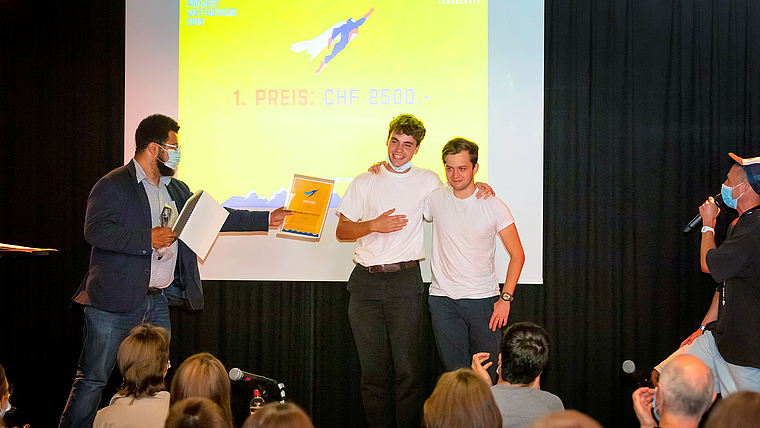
387 306
466 307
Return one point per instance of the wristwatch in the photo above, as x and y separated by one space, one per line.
507 297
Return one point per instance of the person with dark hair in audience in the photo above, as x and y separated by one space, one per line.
566 419
203 375
684 394
196 412
739 410
461 399
524 355
142 401
279 415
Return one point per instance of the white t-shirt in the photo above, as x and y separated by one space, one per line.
464 243
370 195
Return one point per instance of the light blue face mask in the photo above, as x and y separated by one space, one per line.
5 408
401 168
725 193
174 156
654 408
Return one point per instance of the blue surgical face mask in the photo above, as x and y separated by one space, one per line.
725 192
654 406
5 409
174 156
401 168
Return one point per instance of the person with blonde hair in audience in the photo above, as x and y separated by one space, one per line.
461 399
566 419
738 410
142 401
279 415
203 375
196 412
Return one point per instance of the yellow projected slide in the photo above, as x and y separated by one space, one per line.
272 89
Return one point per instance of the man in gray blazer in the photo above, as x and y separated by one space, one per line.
137 268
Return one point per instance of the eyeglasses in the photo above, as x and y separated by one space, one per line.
167 146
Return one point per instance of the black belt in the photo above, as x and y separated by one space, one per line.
153 290
392 267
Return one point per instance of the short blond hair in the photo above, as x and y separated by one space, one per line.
462 399
279 415
203 375
196 412
143 359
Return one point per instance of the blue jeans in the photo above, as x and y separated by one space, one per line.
461 329
102 334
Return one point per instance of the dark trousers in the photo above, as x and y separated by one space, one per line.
390 323
461 330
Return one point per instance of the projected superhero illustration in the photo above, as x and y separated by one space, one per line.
307 88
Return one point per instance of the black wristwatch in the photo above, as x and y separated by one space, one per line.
507 297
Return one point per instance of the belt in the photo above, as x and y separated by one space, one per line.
392 267
153 290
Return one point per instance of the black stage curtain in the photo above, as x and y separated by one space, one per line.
642 101
61 129
296 333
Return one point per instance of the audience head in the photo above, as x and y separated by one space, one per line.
685 388
5 394
143 360
278 415
566 419
524 353
196 412
738 410
461 399
202 375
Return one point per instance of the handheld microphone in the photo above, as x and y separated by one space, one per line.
638 375
698 219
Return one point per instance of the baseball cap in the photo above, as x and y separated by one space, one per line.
751 167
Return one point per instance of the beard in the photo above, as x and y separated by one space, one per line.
164 170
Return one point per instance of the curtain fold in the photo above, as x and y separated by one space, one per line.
643 101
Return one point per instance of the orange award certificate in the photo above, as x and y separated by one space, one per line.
309 198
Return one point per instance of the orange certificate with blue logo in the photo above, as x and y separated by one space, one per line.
309 199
